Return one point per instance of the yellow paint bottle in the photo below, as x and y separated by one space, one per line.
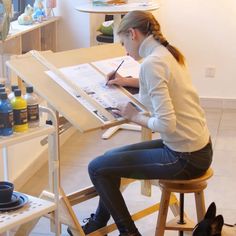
19 106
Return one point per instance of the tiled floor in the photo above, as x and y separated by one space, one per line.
80 149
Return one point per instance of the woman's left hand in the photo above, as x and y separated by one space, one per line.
127 110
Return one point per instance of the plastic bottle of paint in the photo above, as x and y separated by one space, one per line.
11 94
32 107
6 115
2 90
19 106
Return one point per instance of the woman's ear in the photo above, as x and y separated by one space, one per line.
136 34
133 33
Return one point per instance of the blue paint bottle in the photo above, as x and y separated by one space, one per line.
6 115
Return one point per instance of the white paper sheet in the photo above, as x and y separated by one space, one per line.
93 83
130 67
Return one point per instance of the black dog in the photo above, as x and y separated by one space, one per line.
211 225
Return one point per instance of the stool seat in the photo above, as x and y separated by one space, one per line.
196 186
208 174
187 186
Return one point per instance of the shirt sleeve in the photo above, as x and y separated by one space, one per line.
156 75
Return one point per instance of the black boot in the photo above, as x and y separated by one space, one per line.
92 224
69 231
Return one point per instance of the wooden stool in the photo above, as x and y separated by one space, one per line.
181 224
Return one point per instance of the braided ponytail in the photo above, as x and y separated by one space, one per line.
146 23
155 30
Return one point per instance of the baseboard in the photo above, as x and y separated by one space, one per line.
41 159
220 103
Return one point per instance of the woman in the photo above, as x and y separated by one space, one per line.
184 150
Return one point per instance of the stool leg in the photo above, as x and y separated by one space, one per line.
181 206
200 205
161 220
181 212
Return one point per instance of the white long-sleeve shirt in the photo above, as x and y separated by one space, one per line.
167 91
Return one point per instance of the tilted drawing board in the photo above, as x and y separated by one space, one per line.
29 69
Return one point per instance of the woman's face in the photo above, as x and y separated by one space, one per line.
131 44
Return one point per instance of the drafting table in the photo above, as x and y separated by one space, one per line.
32 72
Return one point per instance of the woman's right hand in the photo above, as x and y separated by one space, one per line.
118 80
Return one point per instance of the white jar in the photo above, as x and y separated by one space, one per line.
32 107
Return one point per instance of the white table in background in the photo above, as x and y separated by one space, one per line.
117 10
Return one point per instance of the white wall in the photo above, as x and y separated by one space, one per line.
76 29
205 31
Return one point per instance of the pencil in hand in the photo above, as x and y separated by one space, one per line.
113 75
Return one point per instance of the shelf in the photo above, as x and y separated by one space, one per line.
17 30
38 36
25 136
35 208
23 38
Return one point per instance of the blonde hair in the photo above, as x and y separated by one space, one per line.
146 23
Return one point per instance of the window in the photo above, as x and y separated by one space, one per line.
19 6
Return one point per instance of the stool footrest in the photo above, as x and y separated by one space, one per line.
174 225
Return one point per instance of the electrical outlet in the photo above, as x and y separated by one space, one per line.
210 72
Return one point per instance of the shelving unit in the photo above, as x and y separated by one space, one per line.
23 38
36 207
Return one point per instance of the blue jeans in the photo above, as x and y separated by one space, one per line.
145 160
